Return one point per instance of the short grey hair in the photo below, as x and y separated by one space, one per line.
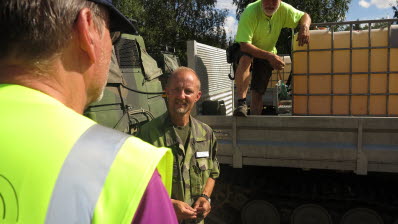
183 69
36 30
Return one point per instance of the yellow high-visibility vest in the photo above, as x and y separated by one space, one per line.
57 166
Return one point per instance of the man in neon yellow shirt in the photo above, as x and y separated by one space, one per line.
258 31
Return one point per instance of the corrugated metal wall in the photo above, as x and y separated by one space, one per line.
210 63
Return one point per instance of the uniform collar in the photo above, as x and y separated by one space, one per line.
171 136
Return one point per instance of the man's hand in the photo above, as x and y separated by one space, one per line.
183 210
276 62
304 35
203 207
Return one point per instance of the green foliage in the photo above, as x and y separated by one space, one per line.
376 25
365 26
319 10
323 10
356 26
130 8
240 6
394 7
172 22
395 11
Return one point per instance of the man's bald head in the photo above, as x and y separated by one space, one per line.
183 69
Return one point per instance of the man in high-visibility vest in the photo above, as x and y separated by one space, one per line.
57 166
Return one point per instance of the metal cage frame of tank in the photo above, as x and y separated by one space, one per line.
351 24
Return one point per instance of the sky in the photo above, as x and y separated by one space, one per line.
359 9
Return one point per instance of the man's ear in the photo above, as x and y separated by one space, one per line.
85 30
198 96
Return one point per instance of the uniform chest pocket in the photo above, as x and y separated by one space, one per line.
202 164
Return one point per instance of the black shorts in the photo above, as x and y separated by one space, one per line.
261 73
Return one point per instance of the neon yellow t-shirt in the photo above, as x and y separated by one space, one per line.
262 31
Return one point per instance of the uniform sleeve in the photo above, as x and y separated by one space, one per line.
293 16
144 133
155 206
215 172
245 28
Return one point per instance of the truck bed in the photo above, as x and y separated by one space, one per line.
357 144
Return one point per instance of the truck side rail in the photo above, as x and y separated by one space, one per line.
357 144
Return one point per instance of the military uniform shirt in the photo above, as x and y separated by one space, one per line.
195 164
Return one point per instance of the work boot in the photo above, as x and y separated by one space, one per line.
241 110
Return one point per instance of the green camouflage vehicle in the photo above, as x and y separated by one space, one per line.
167 61
133 94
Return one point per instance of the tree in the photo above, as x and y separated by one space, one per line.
130 8
319 10
172 22
356 26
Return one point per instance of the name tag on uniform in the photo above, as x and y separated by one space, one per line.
202 154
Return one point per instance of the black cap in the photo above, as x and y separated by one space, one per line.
118 22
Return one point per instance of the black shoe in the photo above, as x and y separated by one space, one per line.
241 111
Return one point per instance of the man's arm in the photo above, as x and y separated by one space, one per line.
202 205
304 32
276 62
208 190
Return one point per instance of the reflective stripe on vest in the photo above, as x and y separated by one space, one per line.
83 174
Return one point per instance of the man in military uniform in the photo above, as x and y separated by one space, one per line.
193 144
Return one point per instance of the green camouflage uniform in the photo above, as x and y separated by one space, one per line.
190 173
